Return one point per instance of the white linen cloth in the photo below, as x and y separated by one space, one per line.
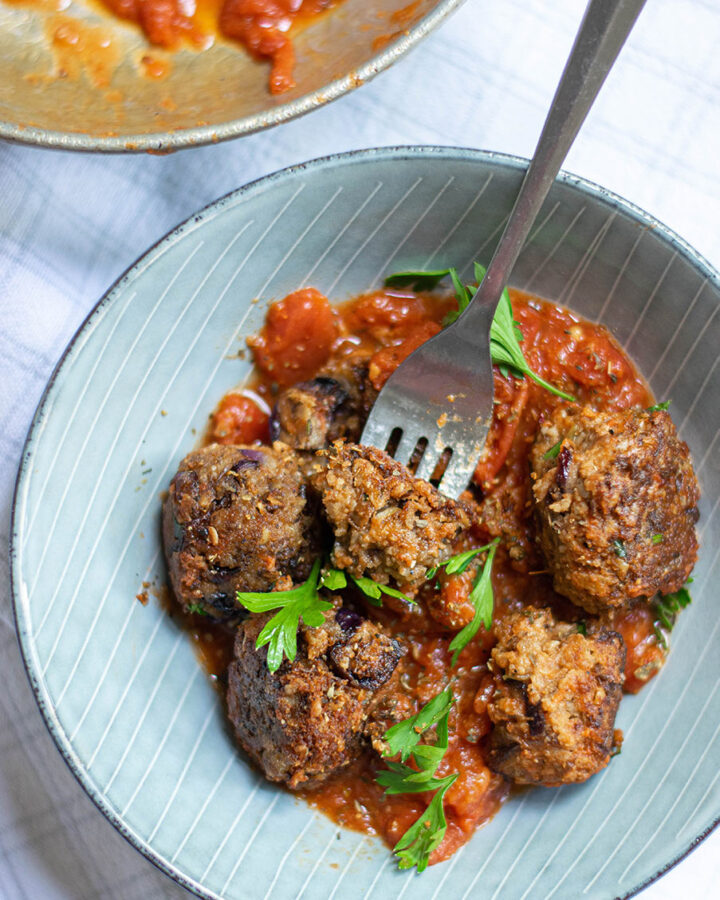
71 223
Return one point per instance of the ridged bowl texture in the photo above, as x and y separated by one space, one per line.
118 682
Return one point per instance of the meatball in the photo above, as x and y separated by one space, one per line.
616 505
312 414
237 519
556 695
387 524
309 414
312 716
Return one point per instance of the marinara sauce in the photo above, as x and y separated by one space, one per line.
264 27
304 333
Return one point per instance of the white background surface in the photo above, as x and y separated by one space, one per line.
71 224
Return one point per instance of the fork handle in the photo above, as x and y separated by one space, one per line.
603 31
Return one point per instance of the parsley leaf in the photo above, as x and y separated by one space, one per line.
505 337
333 579
666 610
425 835
404 737
457 564
505 334
417 844
374 591
657 538
419 281
658 406
553 451
197 609
619 548
481 597
280 632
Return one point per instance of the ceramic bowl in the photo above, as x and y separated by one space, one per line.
99 99
118 683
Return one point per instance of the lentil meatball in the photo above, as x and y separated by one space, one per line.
616 505
556 696
313 716
387 524
309 414
333 405
237 519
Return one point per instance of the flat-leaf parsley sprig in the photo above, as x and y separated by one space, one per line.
505 334
280 632
481 597
457 564
303 602
336 579
667 608
426 834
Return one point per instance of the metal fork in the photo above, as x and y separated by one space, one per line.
442 393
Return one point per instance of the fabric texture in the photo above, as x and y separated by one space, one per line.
70 224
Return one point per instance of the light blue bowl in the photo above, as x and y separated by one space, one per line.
118 683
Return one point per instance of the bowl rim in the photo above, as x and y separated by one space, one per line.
17 594
168 141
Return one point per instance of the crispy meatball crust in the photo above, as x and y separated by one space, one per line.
616 507
237 518
387 524
556 696
314 715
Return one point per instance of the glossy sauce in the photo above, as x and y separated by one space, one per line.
263 27
578 356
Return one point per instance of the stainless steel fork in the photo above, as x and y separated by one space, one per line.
441 397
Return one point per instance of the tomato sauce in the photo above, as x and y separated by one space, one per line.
263 27
303 333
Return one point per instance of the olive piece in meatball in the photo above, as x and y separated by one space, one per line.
556 695
237 519
615 500
387 524
313 716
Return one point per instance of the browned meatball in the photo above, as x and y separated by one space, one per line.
310 414
556 696
335 404
237 519
616 505
314 715
387 524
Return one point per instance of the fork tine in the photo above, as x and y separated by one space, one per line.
458 474
427 463
407 444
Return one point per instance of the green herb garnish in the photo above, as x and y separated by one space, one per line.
658 406
417 844
619 548
333 579
553 451
667 608
657 539
419 281
374 591
581 627
505 334
280 632
404 737
481 597
457 564
196 609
